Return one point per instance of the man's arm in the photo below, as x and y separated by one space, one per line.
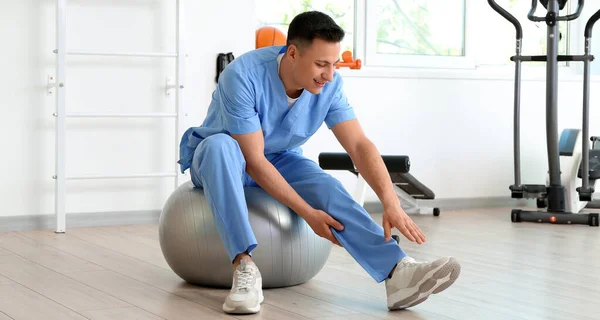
367 160
268 177
346 128
370 165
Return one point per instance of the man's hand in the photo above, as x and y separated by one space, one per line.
397 218
320 222
369 163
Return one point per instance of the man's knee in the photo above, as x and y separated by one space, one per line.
217 152
219 148
326 190
330 183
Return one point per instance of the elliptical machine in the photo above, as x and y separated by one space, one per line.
553 193
571 163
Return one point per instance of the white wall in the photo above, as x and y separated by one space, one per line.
460 130
460 122
461 125
97 84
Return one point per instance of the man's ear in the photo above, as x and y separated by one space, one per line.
292 52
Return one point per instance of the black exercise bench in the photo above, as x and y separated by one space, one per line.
407 187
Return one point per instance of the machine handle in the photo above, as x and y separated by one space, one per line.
590 24
575 15
508 17
569 17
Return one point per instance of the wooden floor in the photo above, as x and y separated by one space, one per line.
509 271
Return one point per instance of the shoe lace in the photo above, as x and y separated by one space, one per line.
244 279
408 261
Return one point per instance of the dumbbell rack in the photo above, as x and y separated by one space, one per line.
60 85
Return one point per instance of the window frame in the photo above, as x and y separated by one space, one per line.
456 67
364 46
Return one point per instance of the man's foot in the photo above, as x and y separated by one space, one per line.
412 282
246 292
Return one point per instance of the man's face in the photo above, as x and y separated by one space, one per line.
314 65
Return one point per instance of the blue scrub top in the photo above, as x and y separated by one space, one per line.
251 96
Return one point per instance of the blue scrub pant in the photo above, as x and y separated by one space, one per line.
218 167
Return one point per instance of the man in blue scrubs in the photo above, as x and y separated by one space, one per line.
268 103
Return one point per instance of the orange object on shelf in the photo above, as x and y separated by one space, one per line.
349 62
269 36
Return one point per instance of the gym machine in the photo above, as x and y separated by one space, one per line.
408 188
569 148
553 194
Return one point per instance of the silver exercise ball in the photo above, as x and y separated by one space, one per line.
288 251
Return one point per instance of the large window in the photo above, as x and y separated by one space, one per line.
425 33
415 32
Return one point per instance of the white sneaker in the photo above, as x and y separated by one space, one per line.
246 292
413 282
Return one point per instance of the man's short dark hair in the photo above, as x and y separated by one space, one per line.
307 26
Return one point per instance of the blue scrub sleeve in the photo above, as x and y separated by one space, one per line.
236 96
340 110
